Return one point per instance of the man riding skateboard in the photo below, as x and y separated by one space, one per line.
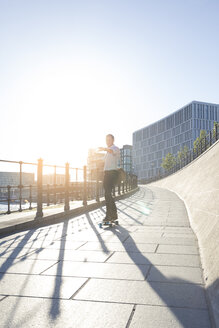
110 178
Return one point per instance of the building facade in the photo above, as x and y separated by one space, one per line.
126 158
50 179
13 178
168 135
95 160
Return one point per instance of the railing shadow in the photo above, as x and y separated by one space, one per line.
22 258
166 297
100 239
15 253
55 306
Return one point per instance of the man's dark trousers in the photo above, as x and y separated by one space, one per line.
109 181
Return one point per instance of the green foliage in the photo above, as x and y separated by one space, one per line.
216 124
199 141
182 154
168 162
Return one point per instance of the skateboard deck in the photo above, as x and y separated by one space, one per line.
108 223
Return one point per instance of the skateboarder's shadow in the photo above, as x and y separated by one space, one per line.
180 296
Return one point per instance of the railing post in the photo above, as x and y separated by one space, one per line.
39 212
9 199
97 186
216 132
48 194
66 208
20 189
54 185
30 199
85 187
210 138
119 188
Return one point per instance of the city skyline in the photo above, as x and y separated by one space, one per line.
71 72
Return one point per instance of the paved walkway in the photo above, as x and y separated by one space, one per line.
144 273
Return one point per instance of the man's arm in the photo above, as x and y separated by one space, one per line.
106 149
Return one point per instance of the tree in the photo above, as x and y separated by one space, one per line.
216 126
168 162
199 141
182 154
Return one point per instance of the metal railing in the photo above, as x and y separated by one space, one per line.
40 195
191 155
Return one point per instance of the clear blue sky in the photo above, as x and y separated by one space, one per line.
72 71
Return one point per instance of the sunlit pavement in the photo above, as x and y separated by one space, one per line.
146 272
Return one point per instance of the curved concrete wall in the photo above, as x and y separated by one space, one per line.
198 186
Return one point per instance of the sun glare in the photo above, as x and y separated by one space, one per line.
66 110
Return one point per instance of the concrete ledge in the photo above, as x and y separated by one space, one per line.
198 186
59 217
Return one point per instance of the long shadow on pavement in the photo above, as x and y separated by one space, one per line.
55 306
9 261
103 246
164 295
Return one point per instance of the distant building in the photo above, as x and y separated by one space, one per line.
49 179
95 161
169 135
13 178
126 158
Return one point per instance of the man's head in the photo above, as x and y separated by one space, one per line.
109 140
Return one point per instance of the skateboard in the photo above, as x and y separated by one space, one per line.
108 223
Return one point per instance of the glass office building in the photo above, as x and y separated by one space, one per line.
169 135
126 158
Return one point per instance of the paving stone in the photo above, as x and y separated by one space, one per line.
11 237
111 231
39 286
14 252
177 249
179 235
11 265
30 238
144 292
100 237
111 247
170 273
63 244
150 229
142 238
172 317
68 255
155 259
30 244
38 312
147 234
178 230
99 270
165 223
